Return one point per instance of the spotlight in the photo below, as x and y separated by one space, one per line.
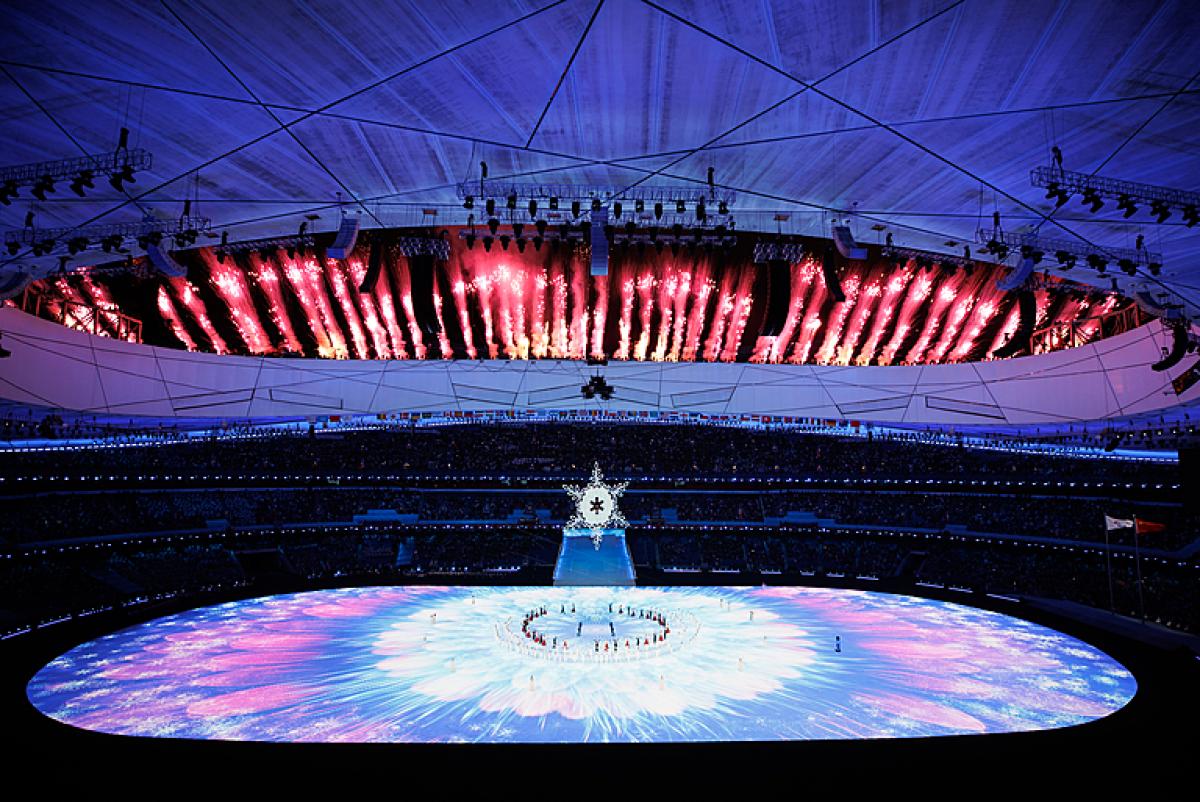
512 200
1092 198
1097 262
521 244
537 243
680 207
575 209
617 210
1029 252
1155 268
554 202
595 204
77 244
1161 210
1126 204
658 211
221 256
13 246
469 203
1127 266
84 179
540 225
125 175
1190 216
1065 258
8 192
504 241
701 212
493 225
631 228
487 243
470 241
1055 190
639 206
152 238
490 206
44 184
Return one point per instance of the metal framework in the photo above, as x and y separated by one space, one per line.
587 192
932 257
81 316
1077 183
436 247
1049 245
97 233
791 252
62 169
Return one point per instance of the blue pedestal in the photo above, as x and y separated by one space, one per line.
581 563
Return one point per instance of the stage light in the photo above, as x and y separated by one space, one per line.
617 209
1126 204
575 209
13 247
521 244
84 179
518 229
1097 262
493 225
77 244
470 238
1160 210
595 204
1190 216
701 212
44 184
1065 258
658 211
722 207
487 243
490 206
1155 268
680 207
537 243
639 206
125 175
1092 198
1127 266
512 201
469 202
554 203
540 225
504 241
8 191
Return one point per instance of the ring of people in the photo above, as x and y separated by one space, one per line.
570 633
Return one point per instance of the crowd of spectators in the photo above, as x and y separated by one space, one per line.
549 449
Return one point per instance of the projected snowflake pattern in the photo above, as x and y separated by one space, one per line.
424 664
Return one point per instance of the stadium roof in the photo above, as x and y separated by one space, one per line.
922 117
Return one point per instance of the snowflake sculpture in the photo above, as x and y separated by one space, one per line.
596 505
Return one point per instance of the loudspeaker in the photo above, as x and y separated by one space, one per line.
420 270
347 236
779 279
1027 304
1179 348
163 262
374 268
599 240
829 271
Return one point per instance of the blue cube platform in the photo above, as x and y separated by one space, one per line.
581 563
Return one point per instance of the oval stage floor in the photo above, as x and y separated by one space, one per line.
533 665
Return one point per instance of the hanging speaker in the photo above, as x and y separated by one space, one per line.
1179 349
779 298
833 284
599 242
347 236
163 262
420 269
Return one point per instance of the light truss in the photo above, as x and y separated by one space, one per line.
605 193
924 257
51 238
63 169
1050 245
1128 192
791 252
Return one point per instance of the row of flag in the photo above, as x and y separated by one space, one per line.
1138 525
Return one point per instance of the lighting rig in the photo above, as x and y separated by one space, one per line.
597 386
790 252
926 260
1067 252
109 237
80 173
267 246
642 216
437 247
1129 195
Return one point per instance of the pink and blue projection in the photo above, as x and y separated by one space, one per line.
430 664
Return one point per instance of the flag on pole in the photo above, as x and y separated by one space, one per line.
1147 527
1111 523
